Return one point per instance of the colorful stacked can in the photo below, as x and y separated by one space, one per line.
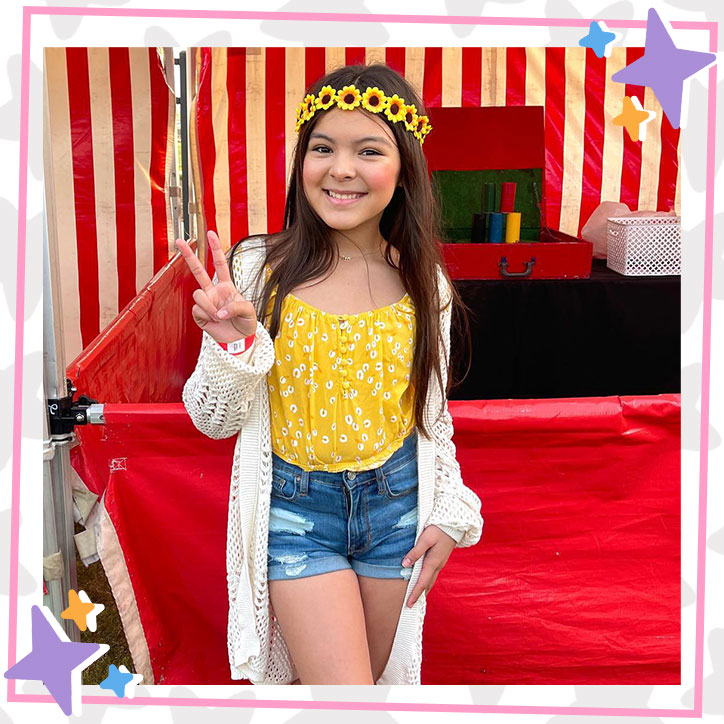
512 217
496 224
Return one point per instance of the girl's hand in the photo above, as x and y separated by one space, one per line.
219 310
439 546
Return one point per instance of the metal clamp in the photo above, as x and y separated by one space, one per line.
65 413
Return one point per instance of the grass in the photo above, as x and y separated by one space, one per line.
92 579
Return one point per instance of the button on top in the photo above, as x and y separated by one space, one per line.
343 338
351 475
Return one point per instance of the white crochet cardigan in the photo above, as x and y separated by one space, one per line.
224 397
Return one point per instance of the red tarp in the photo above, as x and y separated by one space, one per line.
575 580
150 349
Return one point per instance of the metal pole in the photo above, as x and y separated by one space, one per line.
183 102
58 527
169 69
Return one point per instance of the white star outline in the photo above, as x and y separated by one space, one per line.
129 690
686 82
642 125
608 46
90 617
76 704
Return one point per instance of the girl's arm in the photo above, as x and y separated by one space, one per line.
456 508
219 393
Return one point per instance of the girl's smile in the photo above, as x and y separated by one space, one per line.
343 197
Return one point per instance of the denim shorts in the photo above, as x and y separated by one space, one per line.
365 520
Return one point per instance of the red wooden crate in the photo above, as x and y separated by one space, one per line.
557 255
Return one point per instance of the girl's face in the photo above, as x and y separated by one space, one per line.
351 169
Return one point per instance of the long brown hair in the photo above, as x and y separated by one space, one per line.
304 249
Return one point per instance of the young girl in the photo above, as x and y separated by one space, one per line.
326 348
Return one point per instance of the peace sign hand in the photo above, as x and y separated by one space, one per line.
219 310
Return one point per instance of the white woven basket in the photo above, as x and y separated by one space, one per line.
644 245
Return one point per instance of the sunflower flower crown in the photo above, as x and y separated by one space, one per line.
372 100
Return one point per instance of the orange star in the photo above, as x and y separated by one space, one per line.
634 118
78 610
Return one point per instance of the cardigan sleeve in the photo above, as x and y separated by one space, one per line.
455 508
219 393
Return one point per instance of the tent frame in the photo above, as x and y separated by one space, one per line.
60 573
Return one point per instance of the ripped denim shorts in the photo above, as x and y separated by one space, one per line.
366 520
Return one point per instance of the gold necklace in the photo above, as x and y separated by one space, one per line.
349 258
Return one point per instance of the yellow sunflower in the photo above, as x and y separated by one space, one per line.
395 109
374 100
349 98
411 117
325 98
423 128
308 107
298 117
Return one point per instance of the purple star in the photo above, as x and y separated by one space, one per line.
663 67
56 660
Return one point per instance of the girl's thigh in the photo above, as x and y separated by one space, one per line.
382 601
323 624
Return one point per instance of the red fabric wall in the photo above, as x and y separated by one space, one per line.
575 580
154 332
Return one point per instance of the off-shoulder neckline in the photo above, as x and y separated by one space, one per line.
325 313
406 299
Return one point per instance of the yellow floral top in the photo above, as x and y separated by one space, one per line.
339 389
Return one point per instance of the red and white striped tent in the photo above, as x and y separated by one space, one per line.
110 115
109 119
246 99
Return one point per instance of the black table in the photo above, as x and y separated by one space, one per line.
542 338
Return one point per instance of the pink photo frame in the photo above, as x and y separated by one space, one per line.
14 696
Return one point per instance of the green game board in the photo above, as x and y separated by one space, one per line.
460 194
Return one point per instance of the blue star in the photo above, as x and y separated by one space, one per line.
598 39
116 681
664 68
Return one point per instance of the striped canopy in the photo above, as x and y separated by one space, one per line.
246 99
109 118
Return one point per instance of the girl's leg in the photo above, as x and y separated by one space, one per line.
382 600
323 625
